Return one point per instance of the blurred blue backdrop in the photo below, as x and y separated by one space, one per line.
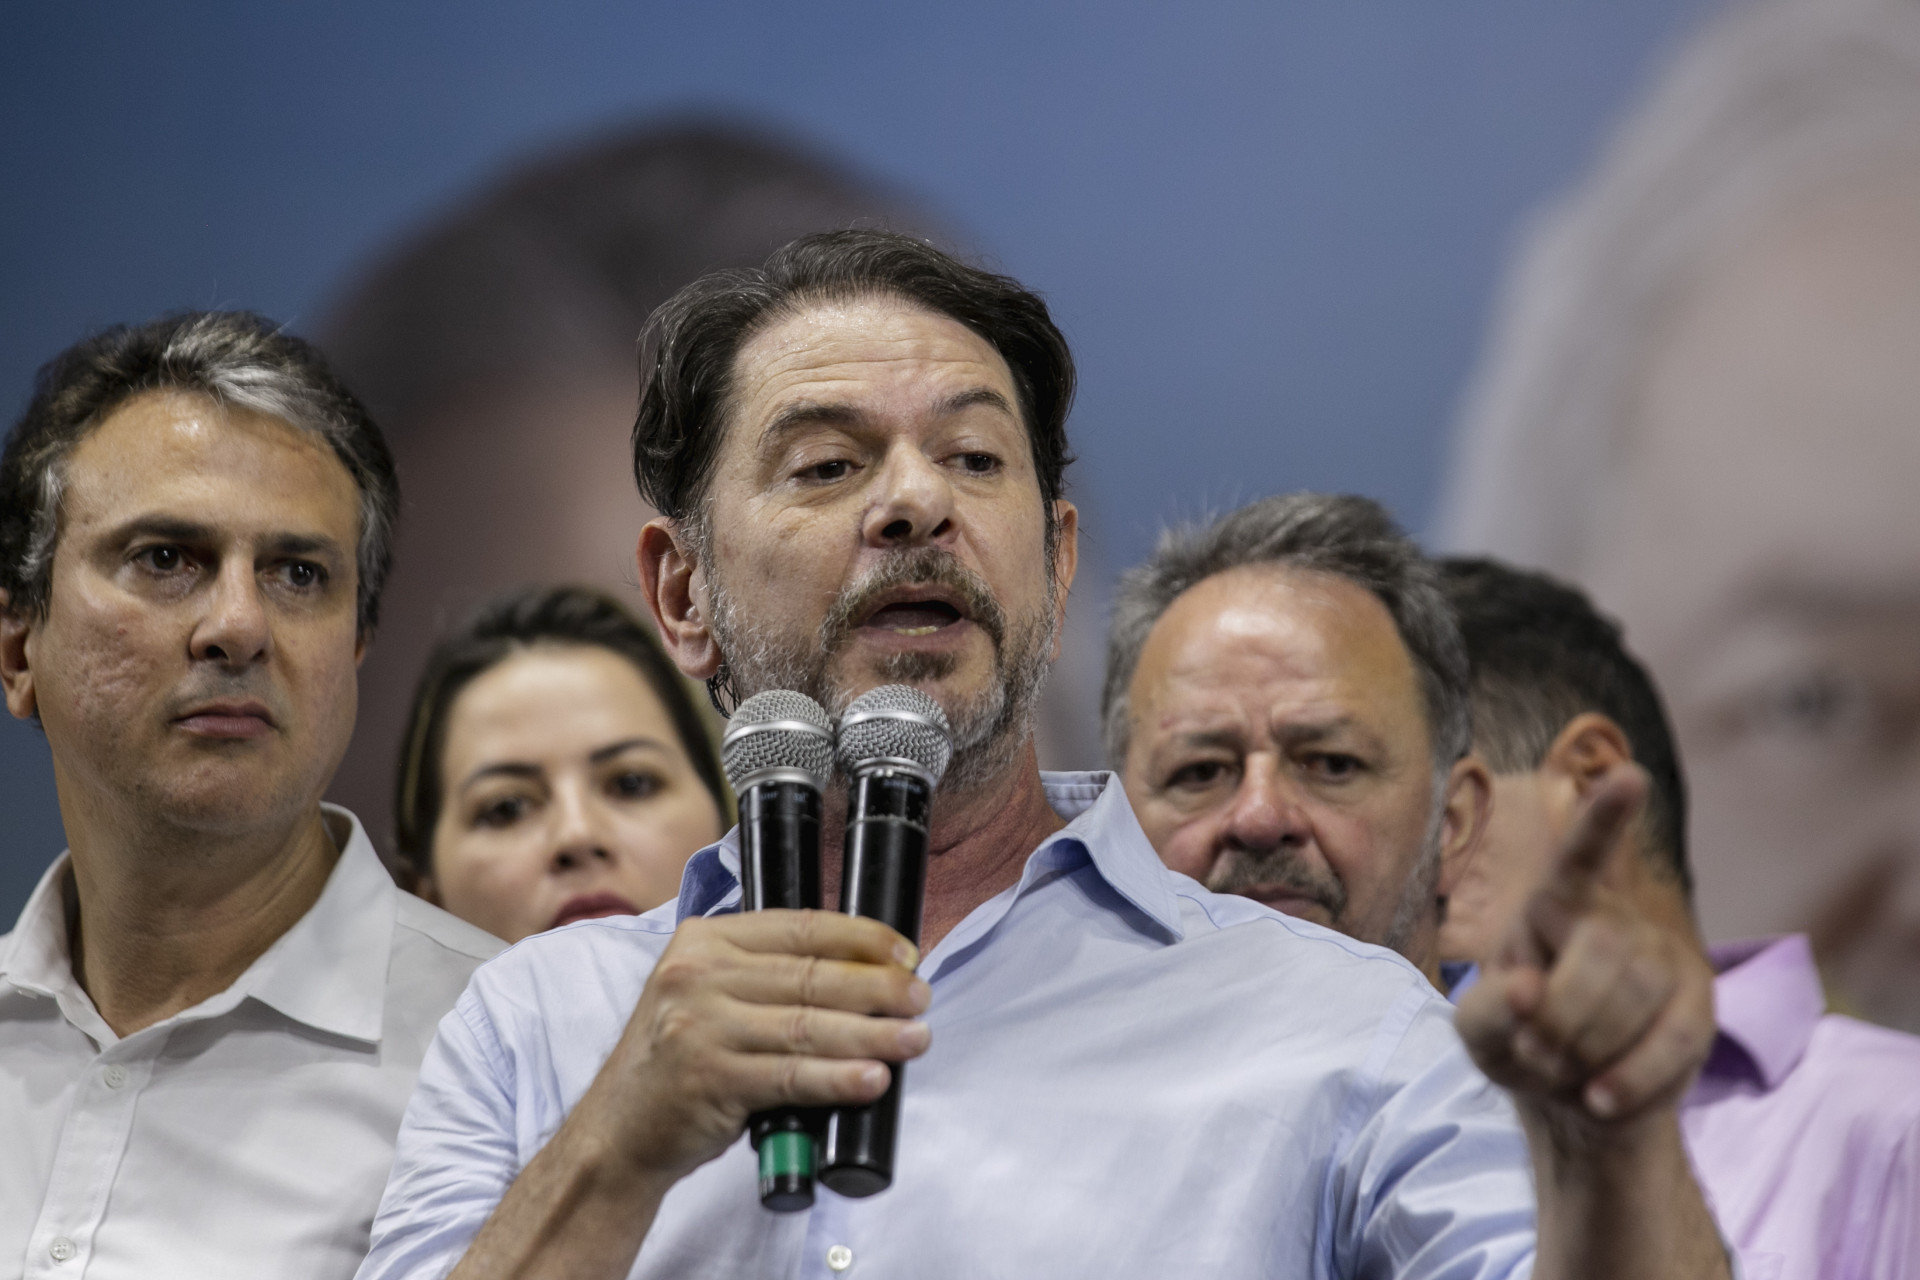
1272 230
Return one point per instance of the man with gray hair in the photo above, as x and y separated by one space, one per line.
213 1007
1286 700
1288 703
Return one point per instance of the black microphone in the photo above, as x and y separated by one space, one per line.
778 754
894 745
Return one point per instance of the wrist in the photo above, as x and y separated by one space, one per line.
610 1157
1573 1143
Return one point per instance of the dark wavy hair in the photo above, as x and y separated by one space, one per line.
510 624
689 346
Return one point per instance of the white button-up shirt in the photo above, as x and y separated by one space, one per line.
247 1136
1130 1076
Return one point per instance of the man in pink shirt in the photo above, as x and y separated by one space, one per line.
1804 1126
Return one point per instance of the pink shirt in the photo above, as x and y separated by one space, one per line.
1804 1126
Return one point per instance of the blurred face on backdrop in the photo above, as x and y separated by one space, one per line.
1764 554
568 795
1280 749
196 664
875 517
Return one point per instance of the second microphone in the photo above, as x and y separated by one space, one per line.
894 745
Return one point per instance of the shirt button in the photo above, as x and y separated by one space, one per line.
61 1249
839 1258
115 1076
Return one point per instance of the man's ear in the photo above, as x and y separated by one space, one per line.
15 674
1066 562
1464 821
1586 747
674 585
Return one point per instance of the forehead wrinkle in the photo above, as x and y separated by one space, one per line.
1305 652
849 342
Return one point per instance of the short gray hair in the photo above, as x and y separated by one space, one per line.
1336 534
1774 99
234 358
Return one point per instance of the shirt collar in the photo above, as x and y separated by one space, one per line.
1101 821
1767 1001
35 957
328 971
1101 828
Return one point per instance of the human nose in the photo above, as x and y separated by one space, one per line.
913 502
1264 813
579 839
235 630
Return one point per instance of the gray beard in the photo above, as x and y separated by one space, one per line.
991 729
1245 869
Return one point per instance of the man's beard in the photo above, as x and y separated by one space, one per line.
1243 870
990 728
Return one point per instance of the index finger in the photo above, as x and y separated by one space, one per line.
828 935
1617 799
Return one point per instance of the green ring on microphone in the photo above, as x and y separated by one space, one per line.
786 1154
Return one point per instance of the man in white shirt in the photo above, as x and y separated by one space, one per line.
213 1007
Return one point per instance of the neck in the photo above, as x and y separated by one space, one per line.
980 842
161 918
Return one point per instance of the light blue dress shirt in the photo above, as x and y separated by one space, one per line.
1130 1076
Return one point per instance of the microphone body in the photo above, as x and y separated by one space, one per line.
777 751
884 878
894 745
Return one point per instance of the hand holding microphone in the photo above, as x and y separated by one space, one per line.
894 745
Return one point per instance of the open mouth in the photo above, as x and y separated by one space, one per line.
914 617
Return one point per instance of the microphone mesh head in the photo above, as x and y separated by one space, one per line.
895 722
777 729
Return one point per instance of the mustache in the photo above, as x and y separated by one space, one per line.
912 567
1244 869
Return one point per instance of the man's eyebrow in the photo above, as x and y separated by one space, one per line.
1225 739
194 533
172 528
816 413
809 413
304 544
977 396
1314 731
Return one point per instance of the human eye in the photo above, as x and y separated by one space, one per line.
976 463
1198 775
161 558
500 811
826 470
634 784
1334 766
303 575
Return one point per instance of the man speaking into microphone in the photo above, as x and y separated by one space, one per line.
858 453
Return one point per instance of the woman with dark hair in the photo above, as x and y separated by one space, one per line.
554 767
